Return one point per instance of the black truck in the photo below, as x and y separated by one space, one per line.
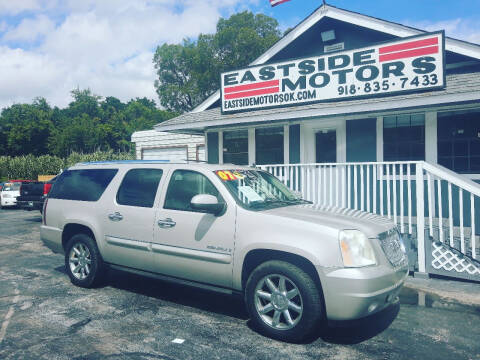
33 194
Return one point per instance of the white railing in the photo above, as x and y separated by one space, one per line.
443 208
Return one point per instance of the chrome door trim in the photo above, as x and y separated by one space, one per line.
192 254
127 243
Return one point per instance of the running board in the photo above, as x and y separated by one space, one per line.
174 280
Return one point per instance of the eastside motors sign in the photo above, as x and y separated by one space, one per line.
409 64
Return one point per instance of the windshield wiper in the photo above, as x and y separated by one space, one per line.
269 202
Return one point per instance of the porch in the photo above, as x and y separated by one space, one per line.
438 220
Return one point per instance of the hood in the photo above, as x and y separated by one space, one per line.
336 218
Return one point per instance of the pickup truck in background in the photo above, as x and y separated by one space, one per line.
33 194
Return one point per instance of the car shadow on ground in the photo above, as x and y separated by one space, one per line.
224 304
344 332
34 218
357 331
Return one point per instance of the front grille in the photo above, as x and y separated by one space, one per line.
393 247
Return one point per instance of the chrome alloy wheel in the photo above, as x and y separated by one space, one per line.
278 302
80 261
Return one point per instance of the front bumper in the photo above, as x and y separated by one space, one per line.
353 293
9 201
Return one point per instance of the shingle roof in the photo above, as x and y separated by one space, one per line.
460 88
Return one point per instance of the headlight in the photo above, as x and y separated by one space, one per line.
356 249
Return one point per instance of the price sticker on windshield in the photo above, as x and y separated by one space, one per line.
227 175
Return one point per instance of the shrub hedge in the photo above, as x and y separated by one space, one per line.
28 167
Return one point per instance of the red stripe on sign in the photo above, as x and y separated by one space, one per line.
251 86
252 93
409 53
408 45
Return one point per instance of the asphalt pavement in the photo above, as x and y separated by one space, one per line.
43 316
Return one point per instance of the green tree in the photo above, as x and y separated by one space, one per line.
89 123
189 72
25 128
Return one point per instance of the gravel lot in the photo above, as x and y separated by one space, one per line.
43 316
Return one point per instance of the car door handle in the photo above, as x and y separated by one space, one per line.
115 216
166 223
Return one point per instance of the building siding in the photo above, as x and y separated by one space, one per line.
155 139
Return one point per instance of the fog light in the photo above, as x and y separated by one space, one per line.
372 307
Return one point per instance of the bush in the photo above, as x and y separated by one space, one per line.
28 167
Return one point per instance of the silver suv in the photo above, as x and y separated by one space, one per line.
230 229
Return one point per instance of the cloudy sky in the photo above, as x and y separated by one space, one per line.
49 47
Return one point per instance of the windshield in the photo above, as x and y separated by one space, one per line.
255 189
11 186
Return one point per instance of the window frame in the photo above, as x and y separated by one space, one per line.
224 132
156 191
53 195
454 141
397 143
282 152
220 197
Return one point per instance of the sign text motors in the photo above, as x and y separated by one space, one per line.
409 64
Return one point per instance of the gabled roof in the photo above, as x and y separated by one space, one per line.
369 22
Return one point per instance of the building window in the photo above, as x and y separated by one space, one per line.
459 141
269 145
404 137
235 147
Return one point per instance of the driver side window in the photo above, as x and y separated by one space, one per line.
183 186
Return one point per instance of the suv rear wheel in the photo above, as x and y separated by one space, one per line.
83 261
283 301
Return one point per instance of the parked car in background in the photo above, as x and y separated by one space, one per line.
33 194
9 193
230 229
1 185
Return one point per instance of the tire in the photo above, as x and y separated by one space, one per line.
82 253
300 297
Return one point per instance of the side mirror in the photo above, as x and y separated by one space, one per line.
207 203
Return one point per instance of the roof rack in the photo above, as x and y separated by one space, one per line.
124 162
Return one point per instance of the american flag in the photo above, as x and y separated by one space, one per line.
277 2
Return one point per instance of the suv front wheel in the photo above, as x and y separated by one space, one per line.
283 301
83 261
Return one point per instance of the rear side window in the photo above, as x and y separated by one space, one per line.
82 185
139 187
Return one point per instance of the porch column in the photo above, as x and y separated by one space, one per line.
286 144
380 138
431 155
220 147
251 146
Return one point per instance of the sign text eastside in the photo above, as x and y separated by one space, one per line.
409 64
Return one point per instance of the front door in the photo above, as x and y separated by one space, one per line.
189 244
326 146
128 224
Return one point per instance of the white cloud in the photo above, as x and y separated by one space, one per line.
13 7
30 29
106 45
462 29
